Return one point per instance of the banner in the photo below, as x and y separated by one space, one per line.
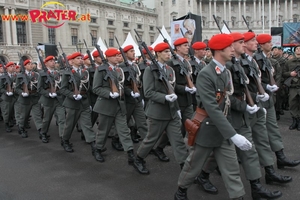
190 25
291 34
276 33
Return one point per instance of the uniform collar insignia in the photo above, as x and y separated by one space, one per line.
218 70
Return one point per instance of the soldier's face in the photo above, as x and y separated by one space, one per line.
98 60
208 53
164 55
77 61
113 60
275 52
50 64
251 45
120 58
297 51
183 49
1 69
28 67
10 69
130 54
227 53
200 53
239 47
87 62
267 47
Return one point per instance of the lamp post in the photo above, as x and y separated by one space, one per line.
80 45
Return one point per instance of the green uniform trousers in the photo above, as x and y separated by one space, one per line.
137 111
36 113
226 158
261 138
105 125
17 111
7 109
172 128
84 116
294 102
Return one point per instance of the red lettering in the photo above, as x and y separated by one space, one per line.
51 14
24 17
34 15
14 17
43 17
64 15
58 14
5 17
72 15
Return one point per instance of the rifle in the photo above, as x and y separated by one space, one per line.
5 76
217 23
48 80
105 43
141 50
247 23
89 55
109 75
131 77
183 71
72 79
225 23
190 52
22 74
162 75
288 81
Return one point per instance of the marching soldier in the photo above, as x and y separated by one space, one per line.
216 134
75 86
162 111
111 105
208 56
26 87
51 98
294 95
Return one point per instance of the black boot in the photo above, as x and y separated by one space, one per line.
44 138
271 176
294 124
159 152
204 182
7 128
131 157
181 194
23 133
82 136
66 145
259 192
134 134
116 144
97 152
139 165
282 161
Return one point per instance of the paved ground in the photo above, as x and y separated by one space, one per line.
31 170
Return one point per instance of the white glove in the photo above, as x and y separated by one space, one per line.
241 142
190 90
24 94
114 95
132 94
179 114
136 95
272 88
171 97
54 95
263 97
9 94
194 90
78 97
252 109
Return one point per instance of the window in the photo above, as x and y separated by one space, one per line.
94 38
111 40
1 32
126 24
93 20
51 35
295 20
139 26
74 36
173 2
151 28
110 22
151 39
21 32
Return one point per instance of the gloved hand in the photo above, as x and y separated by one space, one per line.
54 95
136 95
171 97
190 90
272 88
114 95
263 97
252 109
194 90
179 114
241 142
24 94
9 94
132 94
77 97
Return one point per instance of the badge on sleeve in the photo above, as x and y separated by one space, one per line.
218 70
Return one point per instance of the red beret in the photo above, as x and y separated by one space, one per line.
111 52
9 64
237 36
95 54
220 41
180 41
26 62
74 55
263 38
85 57
17 66
199 45
69 57
161 47
248 36
150 49
49 58
127 48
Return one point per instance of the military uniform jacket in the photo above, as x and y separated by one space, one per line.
67 89
34 96
127 83
92 96
216 127
142 66
238 114
184 98
106 105
3 87
288 68
155 91
44 88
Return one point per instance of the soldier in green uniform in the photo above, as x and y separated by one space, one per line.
216 133
108 85
274 134
28 98
51 98
208 56
294 94
74 86
8 96
17 104
162 110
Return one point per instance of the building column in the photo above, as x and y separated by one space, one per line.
240 14
215 10
14 28
7 28
285 11
259 13
275 14
29 32
254 14
224 11
291 10
270 14
229 13
210 15
200 13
